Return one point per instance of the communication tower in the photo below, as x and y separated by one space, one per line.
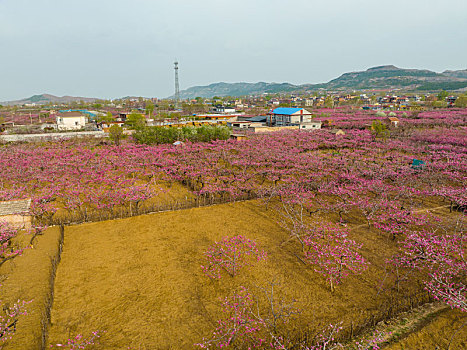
177 87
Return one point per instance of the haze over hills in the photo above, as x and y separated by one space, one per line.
381 77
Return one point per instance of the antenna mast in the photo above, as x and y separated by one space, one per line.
177 87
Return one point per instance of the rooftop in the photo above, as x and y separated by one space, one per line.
286 110
259 118
71 114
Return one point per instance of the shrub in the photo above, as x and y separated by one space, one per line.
159 135
379 129
380 114
116 134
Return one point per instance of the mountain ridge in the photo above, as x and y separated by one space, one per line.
379 77
42 99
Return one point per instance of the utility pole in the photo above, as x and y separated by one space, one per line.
177 87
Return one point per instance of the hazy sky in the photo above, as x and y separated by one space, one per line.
115 48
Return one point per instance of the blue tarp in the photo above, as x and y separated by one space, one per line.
79 110
418 164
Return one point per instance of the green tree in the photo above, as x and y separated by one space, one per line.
135 120
461 101
107 118
329 102
439 104
116 134
149 108
159 135
379 129
442 95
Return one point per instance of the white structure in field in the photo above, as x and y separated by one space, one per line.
71 121
313 125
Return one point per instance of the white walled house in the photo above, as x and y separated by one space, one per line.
223 109
71 121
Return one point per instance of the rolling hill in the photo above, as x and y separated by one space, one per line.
47 98
381 77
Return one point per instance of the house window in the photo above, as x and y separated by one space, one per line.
76 123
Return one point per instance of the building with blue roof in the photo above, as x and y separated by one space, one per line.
286 110
284 116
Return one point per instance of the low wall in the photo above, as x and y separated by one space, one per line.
273 128
50 136
18 221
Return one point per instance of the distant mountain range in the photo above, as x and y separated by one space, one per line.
382 77
46 98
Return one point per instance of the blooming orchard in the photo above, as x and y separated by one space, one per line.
318 181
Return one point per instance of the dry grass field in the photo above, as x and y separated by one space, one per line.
139 279
27 277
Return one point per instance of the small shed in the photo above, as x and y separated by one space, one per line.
238 137
16 213
393 121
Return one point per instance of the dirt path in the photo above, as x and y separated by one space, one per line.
405 324
424 210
